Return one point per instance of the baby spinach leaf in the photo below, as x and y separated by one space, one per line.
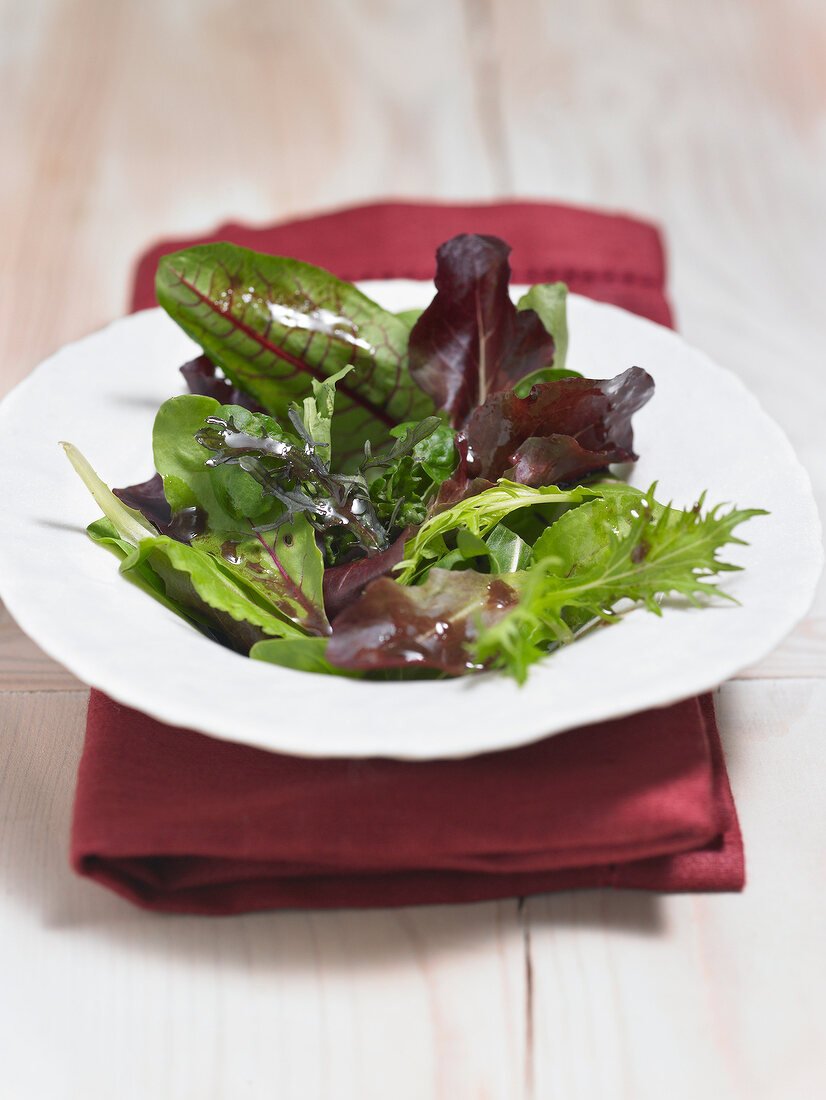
228 497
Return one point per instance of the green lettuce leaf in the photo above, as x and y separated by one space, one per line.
104 533
283 566
196 580
550 301
258 585
301 654
478 515
175 590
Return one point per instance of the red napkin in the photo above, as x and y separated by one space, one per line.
178 821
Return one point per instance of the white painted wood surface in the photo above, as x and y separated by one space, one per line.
123 122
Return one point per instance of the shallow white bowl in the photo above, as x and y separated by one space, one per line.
702 430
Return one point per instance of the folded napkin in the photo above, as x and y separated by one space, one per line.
178 821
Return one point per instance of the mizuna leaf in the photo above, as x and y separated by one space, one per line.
273 324
471 341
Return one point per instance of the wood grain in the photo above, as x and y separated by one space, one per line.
410 1003
674 991
126 122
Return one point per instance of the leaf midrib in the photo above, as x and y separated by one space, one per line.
281 353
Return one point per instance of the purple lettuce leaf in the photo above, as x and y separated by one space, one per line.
344 583
147 497
421 626
556 459
471 341
202 378
561 431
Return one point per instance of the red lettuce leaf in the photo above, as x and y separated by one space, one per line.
558 459
202 377
561 431
344 583
471 341
459 486
147 497
421 626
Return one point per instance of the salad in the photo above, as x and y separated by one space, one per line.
356 492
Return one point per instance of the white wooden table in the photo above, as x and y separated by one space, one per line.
123 122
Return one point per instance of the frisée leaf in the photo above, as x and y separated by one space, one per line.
623 546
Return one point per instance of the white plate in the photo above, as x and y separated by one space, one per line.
702 430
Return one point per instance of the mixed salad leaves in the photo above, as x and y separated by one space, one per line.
361 493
